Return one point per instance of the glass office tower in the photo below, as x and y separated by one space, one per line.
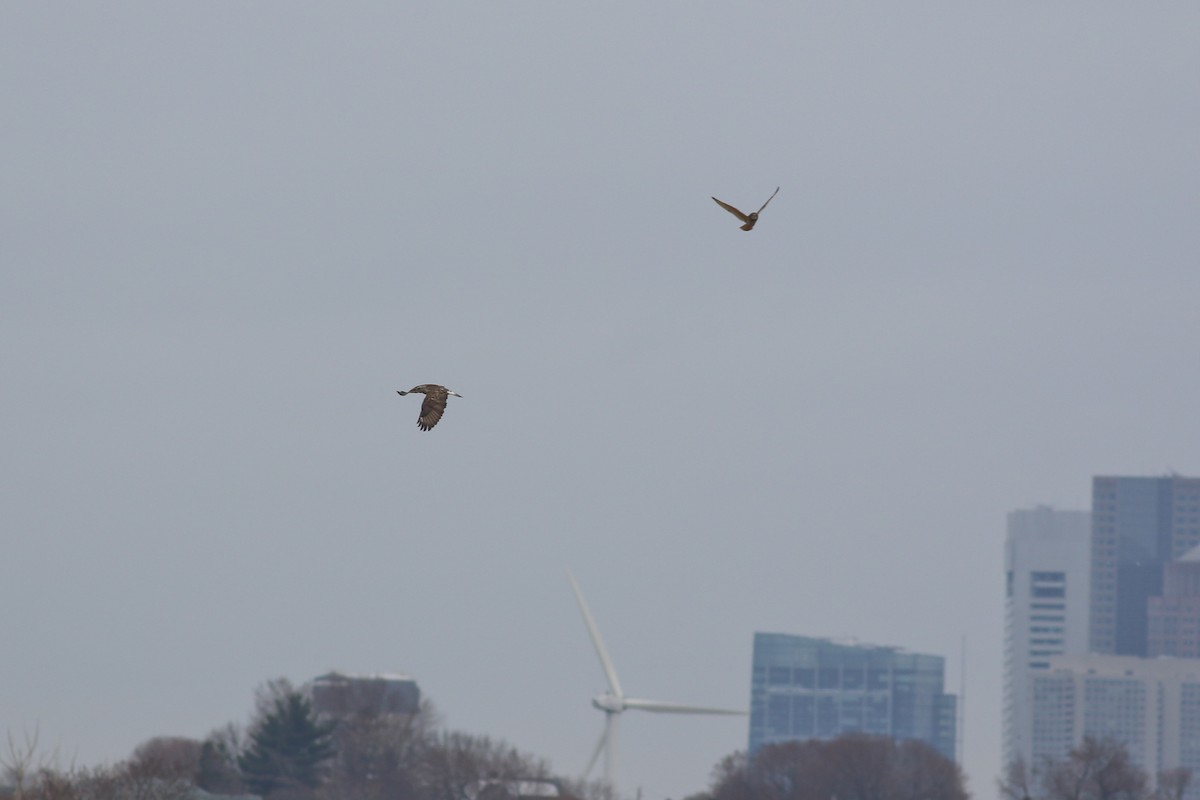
808 688
1138 526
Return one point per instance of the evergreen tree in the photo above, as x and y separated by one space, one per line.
288 747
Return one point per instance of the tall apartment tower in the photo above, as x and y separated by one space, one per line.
1047 570
1138 526
808 688
1151 705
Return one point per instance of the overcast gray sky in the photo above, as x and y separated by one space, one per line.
229 232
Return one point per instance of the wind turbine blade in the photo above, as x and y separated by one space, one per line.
673 708
596 752
610 671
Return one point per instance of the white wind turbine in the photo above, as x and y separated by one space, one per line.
614 701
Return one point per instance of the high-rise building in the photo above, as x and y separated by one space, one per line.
1047 571
1174 618
809 688
1138 525
1150 705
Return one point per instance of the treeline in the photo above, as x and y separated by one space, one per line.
288 752
851 767
860 767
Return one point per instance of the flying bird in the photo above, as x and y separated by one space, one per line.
434 404
750 218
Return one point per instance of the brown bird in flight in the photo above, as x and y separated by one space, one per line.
750 218
434 404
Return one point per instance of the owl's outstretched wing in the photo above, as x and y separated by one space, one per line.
733 210
769 199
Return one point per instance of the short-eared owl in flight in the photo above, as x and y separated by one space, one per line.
750 218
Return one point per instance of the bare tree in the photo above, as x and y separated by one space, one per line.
1018 780
730 775
920 772
453 764
102 783
172 758
1098 769
860 767
379 755
123 783
1173 783
21 762
852 767
53 785
1117 777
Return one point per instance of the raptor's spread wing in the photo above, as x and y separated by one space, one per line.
769 199
733 210
432 409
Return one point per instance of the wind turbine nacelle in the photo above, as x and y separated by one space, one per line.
608 702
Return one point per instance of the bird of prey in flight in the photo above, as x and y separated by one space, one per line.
434 404
750 218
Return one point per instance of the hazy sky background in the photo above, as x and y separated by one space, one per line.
229 232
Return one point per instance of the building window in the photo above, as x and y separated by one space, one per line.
1050 577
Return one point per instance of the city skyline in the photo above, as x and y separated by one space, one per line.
1124 576
230 234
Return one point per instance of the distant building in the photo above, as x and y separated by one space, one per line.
1138 526
1174 617
809 688
1152 706
340 694
1047 571
1143 599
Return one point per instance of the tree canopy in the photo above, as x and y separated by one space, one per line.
289 747
851 767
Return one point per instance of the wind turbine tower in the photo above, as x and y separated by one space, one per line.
614 702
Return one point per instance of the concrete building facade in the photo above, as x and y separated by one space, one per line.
1047 576
1150 705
